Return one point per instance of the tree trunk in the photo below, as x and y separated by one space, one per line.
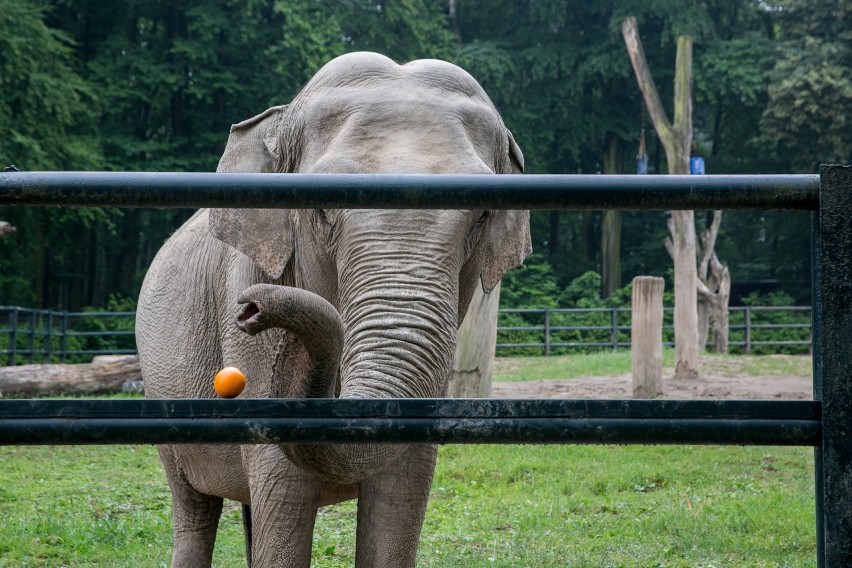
105 374
553 241
474 356
719 314
611 229
685 292
610 253
454 21
714 288
703 309
676 138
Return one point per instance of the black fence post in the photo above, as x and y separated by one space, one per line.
747 334
63 336
13 335
547 332
833 366
48 339
31 338
614 333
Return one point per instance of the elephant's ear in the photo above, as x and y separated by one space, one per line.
506 246
265 235
516 157
508 241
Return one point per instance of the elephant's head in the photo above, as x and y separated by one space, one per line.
401 280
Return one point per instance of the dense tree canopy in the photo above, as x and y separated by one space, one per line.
153 86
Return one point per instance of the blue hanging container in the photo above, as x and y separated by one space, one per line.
642 156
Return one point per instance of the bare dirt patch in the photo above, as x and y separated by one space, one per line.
720 382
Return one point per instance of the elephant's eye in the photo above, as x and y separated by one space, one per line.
323 215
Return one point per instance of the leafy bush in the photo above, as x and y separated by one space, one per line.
587 330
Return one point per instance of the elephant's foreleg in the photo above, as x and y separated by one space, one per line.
284 502
391 508
195 518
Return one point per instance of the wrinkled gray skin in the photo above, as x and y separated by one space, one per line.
399 280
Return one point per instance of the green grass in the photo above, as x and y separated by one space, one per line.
506 506
606 364
501 506
601 363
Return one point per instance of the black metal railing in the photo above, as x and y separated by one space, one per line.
825 423
49 336
555 331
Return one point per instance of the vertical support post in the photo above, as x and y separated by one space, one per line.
747 347
613 338
48 339
13 336
833 366
31 338
547 332
63 336
646 336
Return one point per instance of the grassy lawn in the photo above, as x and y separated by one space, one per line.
506 506
605 363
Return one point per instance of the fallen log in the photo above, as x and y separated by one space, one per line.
105 374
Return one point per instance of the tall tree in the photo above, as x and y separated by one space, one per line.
810 92
611 228
676 137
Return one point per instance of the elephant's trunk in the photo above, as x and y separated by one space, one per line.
310 317
398 344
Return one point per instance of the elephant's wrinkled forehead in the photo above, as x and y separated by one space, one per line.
365 69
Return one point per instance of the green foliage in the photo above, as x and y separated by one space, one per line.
533 285
810 90
45 105
138 85
763 315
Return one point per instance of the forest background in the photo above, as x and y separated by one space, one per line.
154 85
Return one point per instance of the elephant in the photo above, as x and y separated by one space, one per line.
352 303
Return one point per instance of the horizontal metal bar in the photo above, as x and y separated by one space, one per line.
770 308
40 431
104 333
659 192
461 421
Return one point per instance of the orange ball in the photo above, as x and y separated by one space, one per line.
229 382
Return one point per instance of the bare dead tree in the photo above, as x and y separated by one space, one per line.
676 138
